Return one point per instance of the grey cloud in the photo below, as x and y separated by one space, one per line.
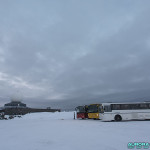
74 50
115 63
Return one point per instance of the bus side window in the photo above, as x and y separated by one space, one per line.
107 108
125 106
116 106
143 106
135 106
101 110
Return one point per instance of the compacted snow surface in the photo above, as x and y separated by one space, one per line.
59 131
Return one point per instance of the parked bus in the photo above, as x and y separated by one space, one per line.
125 111
81 112
94 111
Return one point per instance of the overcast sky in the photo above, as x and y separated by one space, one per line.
55 50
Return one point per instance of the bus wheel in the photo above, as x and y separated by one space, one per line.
118 118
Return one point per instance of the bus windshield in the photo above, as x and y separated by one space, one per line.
93 108
81 109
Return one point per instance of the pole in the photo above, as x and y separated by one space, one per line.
74 116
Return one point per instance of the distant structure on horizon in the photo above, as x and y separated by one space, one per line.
16 107
15 104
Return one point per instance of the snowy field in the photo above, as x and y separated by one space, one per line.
59 131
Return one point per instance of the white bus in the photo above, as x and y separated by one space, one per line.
125 111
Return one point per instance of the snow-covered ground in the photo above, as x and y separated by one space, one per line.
59 131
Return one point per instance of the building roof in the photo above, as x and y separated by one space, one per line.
15 104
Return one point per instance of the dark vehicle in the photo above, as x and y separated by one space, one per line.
81 112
